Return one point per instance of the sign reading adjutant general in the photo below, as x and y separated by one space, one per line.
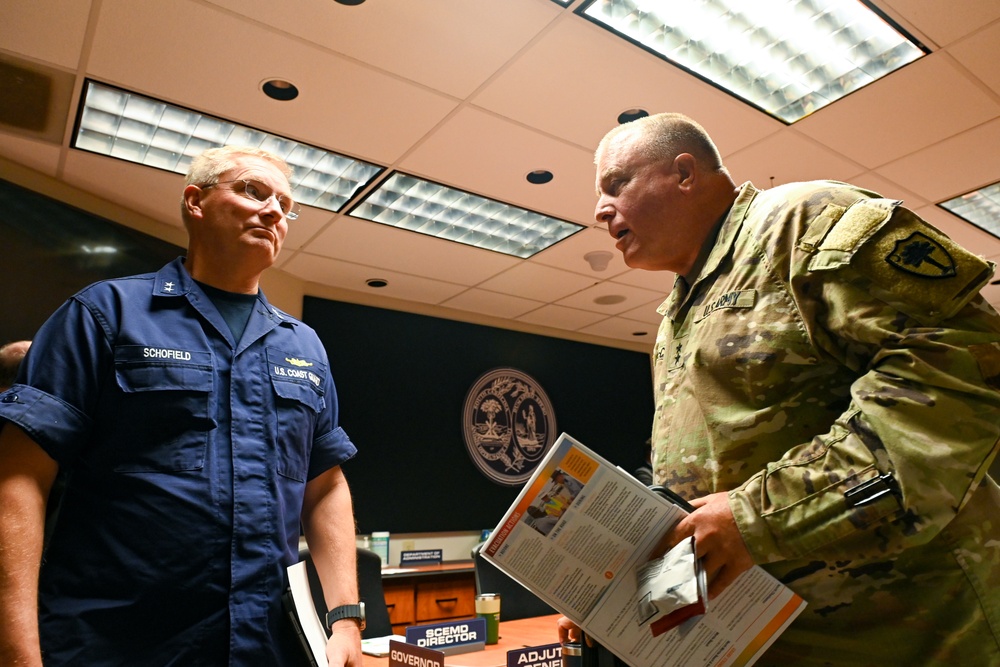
451 637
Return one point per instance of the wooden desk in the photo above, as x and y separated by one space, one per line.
517 634
423 594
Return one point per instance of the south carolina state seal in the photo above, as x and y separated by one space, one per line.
509 424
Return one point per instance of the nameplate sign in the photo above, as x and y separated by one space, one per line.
422 557
408 655
548 655
451 637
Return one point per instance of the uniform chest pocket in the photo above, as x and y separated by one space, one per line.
750 340
299 392
162 410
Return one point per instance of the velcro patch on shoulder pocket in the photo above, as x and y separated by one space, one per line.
917 269
855 225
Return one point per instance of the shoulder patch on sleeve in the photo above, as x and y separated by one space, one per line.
917 269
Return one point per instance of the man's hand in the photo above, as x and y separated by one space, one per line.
570 632
717 541
343 649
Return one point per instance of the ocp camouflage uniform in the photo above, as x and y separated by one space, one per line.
833 366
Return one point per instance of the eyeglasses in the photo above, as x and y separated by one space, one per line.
260 193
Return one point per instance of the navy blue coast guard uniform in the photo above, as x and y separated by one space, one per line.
189 456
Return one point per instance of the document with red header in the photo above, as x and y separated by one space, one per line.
577 536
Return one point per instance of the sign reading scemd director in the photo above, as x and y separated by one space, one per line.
451 637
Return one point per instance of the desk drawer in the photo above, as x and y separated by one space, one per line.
399 600
446 598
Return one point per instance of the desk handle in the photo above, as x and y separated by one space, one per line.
446 600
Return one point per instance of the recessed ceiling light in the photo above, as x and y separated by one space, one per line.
350 3
640 333
408 202
376 282
278 89
609 299
980 207
787 58
539 176
629 115
147 131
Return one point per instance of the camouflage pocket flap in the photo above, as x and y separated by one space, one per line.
850 231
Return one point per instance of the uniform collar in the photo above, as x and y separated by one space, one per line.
174 280
720 249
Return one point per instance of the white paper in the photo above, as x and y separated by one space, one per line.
312 626
585 562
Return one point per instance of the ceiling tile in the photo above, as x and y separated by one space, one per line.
979 54
916 106
491 303
575 82
592 298
343 105
646 313
561 317
152 192
786 157
481 152
658 281
40 156
431 40
29 28
942 171
568 254
347 275
537 281
945 22
616 327
379 245
877 182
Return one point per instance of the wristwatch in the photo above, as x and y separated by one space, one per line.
353 611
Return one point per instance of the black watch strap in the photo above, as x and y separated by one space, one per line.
352 611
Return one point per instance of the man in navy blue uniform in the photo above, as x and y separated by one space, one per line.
201 427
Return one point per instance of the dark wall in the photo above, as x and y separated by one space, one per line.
402 380
52 250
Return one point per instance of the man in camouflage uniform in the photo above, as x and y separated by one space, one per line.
827 383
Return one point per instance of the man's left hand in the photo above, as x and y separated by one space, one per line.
343 649
717 541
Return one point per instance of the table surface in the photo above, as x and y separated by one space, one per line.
398 572
522 633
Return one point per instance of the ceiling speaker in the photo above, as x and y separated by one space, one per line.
24 97
35 99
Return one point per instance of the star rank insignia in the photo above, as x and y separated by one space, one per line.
168 287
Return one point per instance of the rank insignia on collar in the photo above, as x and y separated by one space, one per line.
921 255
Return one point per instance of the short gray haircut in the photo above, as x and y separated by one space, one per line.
207 167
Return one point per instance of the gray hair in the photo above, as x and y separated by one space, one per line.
212 163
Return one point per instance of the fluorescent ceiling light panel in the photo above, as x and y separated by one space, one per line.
786 57
981 208
128 126
412 203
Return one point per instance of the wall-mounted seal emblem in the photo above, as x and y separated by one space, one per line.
508 423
